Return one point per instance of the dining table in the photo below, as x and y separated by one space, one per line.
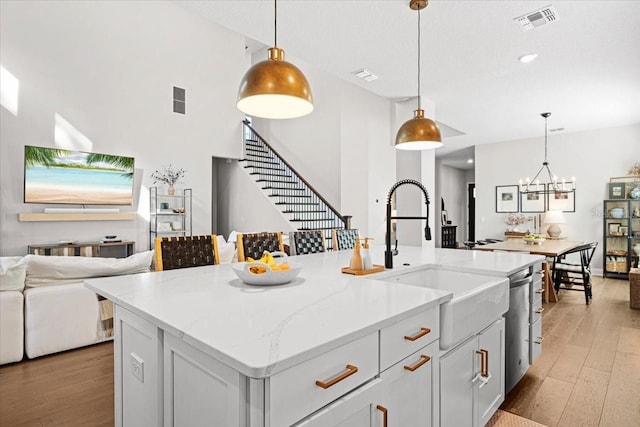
551 248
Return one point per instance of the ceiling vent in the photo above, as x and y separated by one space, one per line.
365 74
538 18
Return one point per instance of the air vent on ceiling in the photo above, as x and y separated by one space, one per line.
538 18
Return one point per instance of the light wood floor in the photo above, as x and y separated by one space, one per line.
588 374
589 370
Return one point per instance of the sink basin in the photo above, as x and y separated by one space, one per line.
477 300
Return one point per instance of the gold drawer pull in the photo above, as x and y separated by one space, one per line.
384 414
423 332
540 291
423 359
484 362
540 310
350 371
539 340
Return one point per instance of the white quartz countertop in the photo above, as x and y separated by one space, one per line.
260 331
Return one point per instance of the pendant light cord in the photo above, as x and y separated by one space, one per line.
545 139
275 23
419 96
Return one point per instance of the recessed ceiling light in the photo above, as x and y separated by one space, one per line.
365 75
527 57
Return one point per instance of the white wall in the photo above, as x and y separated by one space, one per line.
592 157
108 68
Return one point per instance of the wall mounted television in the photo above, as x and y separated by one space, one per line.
54 175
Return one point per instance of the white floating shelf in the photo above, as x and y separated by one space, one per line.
39 217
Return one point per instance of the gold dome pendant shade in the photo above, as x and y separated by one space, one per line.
275 88
420 132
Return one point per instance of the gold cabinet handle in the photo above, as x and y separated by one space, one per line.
384 414
423 359
350 371
540 291
484 362
423 332
540 310
539 340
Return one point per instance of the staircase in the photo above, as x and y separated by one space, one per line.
296 198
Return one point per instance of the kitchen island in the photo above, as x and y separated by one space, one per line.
198 347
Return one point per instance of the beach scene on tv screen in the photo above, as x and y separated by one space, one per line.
75 177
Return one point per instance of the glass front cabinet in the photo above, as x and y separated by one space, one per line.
621 237
170 215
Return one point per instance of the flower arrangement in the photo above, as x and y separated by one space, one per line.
516 219
168 175
635 170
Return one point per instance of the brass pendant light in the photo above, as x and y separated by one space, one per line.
275 88
418 133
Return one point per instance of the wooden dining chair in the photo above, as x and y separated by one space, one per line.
575 275
307 242
344 239
185 251
254 244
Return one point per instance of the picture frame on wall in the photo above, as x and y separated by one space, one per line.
532 203
617 190
559 201
507 198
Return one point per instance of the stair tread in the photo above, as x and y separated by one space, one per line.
303 211
298 203
306 196
312 220
282 188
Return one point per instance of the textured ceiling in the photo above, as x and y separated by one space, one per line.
587 72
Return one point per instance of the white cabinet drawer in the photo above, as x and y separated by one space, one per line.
535 345
298 391
407 336
537 289
536 311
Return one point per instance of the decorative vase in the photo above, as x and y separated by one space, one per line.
635 193
636 249
172 190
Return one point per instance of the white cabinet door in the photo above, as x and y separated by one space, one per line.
491 388
409 389
138 371
198 390
360 408
458 368
469 396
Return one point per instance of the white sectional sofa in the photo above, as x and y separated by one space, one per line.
45 308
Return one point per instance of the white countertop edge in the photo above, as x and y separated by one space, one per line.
273 368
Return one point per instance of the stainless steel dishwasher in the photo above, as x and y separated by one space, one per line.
517 330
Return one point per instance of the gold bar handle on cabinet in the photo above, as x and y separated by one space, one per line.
384 414
540 291
350 371
484 362
423 332
423 359
539 340
540 310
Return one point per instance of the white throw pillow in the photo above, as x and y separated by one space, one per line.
54 270
12 273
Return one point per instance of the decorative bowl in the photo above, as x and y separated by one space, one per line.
617 213
534 240
269 277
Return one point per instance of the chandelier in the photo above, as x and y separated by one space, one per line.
553 184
